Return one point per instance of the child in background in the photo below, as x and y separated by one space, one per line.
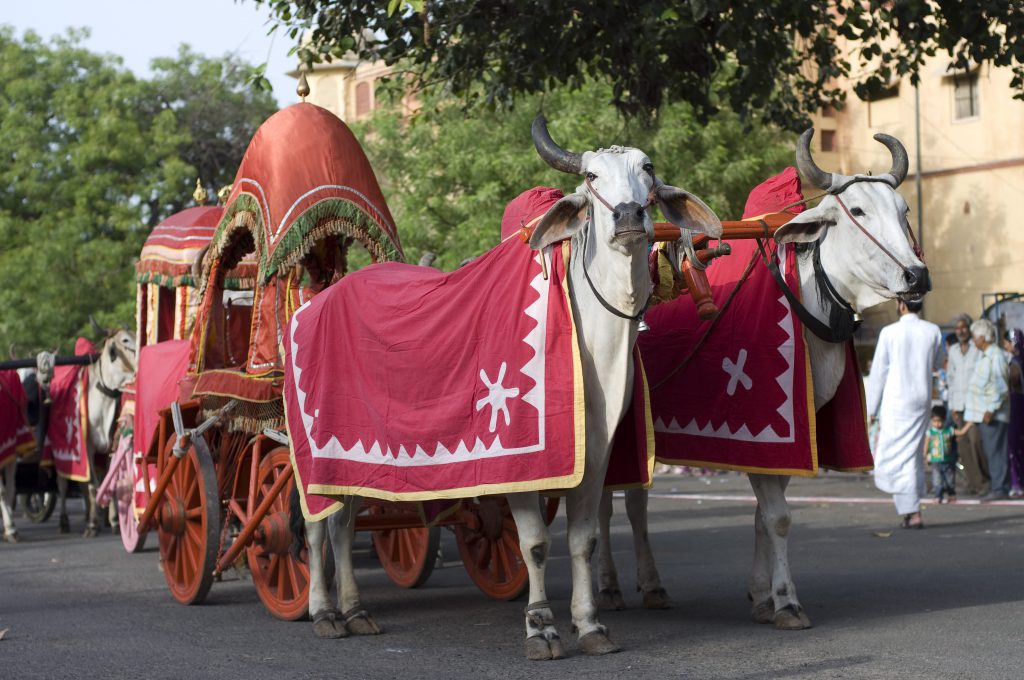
938 451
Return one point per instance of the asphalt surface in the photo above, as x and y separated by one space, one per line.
945 602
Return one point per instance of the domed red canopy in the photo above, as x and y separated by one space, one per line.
305 174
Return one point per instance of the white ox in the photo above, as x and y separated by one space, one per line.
111 372
608 222
863 275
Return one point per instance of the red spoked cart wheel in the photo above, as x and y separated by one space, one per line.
489 546
407 555
189 524
281 579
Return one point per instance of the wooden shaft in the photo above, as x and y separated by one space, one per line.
700 290
731 229
245 535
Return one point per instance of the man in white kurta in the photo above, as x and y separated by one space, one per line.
900 397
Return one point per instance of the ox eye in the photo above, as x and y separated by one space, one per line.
648 168
591 176
857 212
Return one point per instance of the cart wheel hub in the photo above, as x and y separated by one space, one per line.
273 534
172 517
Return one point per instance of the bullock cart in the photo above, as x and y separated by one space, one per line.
213 448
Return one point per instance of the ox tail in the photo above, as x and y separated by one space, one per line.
297 523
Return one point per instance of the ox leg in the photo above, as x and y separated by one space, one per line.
759 587
326 621
609 595
342 527
771 499
92 517
582 506
542 639
648 581
64 525
7 491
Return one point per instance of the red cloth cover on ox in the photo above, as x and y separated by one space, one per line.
66 435
527 208
161 366
404 383
15 434
745 400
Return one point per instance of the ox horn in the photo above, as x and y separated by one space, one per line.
806 165
98 329
900 161
554 155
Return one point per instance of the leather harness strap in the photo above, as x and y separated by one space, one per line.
843 318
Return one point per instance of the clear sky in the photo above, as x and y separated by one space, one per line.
139 30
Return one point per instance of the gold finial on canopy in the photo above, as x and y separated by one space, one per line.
200 194
223 193
302 89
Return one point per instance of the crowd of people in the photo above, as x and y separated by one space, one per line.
977 429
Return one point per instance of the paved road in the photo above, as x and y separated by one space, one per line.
941 603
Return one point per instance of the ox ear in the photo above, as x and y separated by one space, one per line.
808 226
686 211
561 221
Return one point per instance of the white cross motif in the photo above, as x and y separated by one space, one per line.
736 374
497 396
70 422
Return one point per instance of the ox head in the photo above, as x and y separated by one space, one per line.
118 358
609 211
619 186
860 268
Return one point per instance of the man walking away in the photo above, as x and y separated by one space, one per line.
959 370
988 406
900 388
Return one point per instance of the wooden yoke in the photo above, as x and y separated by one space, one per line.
696 280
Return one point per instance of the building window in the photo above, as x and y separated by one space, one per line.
362 99
827 111
828 140
965 96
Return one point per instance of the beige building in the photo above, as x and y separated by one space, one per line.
348 87
971 168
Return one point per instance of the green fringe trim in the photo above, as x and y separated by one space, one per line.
331 216
230 283
243 213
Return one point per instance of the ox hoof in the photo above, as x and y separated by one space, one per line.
91 532
610 599
596 643
64 525
763 613
657 599
359 622
540 648
326 626
791 617
12 537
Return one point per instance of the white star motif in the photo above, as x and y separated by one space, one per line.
497 396
70 422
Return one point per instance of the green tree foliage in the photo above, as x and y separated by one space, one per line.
658 51
94 157
447 177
